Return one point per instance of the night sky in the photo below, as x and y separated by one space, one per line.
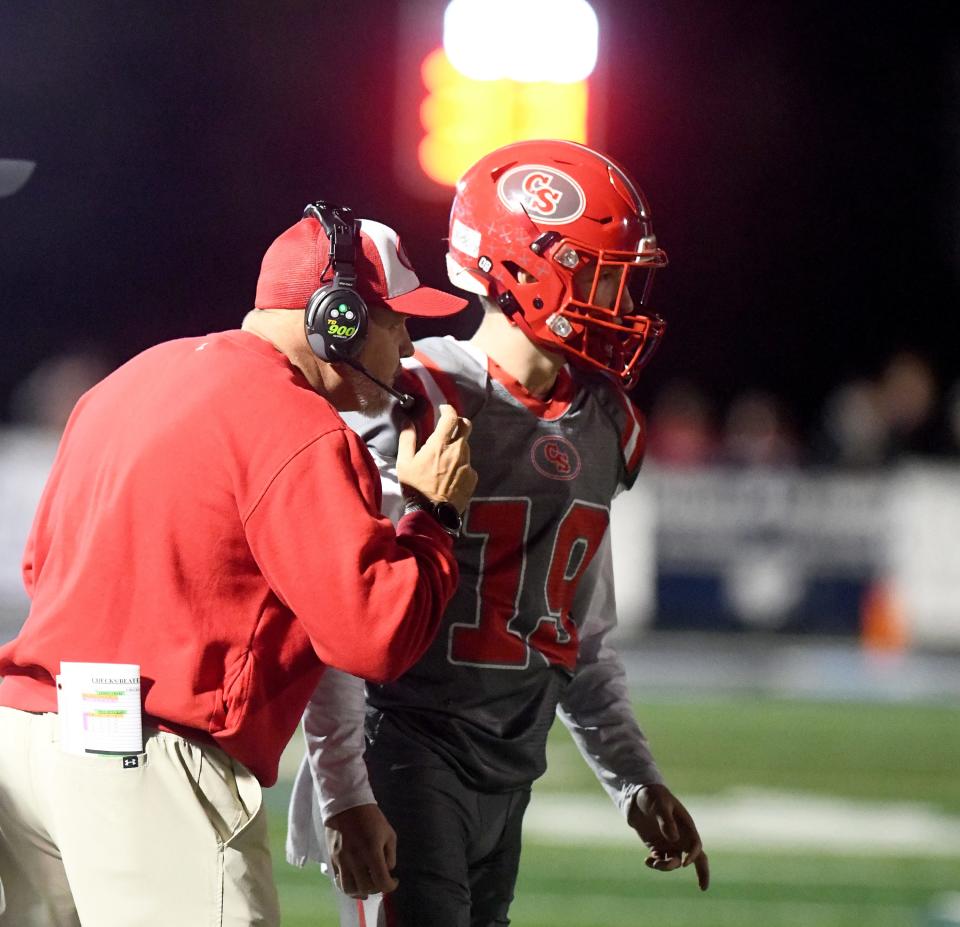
802 161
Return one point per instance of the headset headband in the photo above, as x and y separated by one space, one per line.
343 230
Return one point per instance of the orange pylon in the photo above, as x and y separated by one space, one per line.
883 620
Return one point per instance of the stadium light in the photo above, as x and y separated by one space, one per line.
546 40
507 70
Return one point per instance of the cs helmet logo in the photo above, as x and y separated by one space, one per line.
555 457
545 194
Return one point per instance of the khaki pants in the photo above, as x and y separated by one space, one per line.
178 839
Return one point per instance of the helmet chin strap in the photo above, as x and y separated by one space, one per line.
464 279
510 307
514 314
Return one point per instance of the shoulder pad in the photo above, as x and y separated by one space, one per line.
443 371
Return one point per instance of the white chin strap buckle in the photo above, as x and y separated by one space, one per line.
559 326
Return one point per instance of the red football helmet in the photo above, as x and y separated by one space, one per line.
560 236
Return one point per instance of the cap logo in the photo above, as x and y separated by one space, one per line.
555 458
547 195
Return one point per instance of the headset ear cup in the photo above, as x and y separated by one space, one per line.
335 323
312 324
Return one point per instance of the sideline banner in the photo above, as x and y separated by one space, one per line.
924 551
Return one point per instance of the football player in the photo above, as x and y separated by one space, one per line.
556 240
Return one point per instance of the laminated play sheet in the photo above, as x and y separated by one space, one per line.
99 708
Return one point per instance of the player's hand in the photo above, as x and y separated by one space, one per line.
666 827
440 470
363 849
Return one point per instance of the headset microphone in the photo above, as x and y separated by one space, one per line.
406 401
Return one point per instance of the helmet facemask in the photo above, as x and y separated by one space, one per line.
599 297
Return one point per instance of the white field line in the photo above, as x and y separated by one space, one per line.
766 821
691 911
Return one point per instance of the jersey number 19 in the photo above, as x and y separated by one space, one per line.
502 636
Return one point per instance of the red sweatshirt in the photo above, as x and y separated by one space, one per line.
211 518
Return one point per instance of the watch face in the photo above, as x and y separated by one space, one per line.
448 517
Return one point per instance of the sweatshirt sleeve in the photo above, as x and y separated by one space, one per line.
595 706
370 597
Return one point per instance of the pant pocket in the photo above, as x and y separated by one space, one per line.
250 794
216 787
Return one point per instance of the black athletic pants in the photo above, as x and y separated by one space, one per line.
458 849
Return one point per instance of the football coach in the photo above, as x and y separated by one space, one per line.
210 518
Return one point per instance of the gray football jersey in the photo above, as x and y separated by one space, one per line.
484 694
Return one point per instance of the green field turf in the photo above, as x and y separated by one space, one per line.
875 752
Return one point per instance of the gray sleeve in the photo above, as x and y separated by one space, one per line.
595 706
332 776
333 731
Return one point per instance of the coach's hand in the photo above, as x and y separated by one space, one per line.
441 469
666 827
363 849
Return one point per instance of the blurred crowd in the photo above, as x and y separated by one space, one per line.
864 423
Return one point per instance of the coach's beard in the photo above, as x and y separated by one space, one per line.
371 399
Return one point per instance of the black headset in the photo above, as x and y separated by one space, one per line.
336 316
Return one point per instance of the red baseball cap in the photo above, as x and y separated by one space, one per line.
296 265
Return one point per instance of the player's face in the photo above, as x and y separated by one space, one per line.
608 287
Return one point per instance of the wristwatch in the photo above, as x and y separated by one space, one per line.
444 513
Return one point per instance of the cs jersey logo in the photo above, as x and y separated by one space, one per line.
547 195
555 457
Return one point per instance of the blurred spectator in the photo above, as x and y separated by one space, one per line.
47 396
679 432
871 424
854 429
908 401
757 432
